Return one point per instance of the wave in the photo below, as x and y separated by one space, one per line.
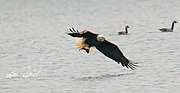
106 76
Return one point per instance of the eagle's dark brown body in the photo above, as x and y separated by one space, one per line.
90 39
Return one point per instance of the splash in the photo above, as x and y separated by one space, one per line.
28 72
32 72
12 75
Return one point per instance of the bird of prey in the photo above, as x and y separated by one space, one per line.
88 39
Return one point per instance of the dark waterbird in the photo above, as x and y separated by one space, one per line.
168 29
88 40
124 33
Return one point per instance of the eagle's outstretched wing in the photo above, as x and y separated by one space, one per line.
75 33
84 33
113 52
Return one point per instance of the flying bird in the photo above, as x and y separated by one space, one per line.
168 29
124 33
88 40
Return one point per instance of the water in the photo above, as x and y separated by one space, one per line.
38 57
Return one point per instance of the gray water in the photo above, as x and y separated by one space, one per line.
37 56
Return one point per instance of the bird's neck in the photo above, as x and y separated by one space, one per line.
126 29
172 27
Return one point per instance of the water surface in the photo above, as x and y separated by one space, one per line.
37 56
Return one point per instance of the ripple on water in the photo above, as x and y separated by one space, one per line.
101 77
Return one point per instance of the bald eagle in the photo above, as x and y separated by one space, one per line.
88 40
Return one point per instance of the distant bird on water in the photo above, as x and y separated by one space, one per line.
88 40
124 33
168 29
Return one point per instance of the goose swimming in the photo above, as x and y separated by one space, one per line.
124 33
168 29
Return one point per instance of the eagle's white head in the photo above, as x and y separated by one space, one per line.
101 38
